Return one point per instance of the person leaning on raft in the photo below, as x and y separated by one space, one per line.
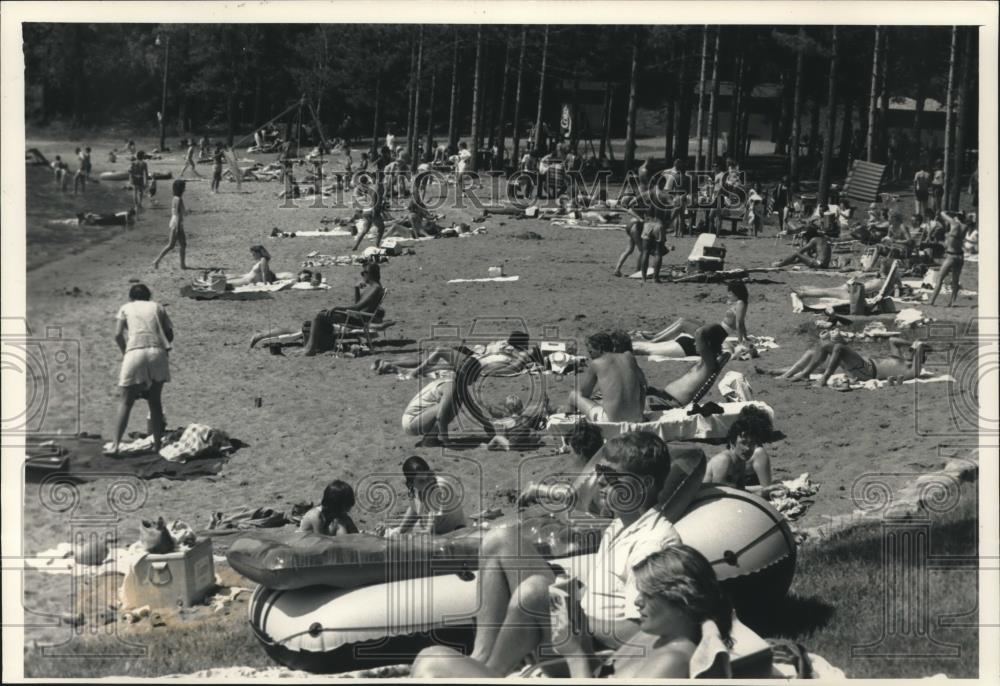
145 360
435 502
743 459
513 618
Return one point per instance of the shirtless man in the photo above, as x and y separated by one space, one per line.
906 363
620 380
954 257
189 160
816 253
741 459
708 342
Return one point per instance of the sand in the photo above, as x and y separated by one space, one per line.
330 417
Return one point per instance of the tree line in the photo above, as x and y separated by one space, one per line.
498 83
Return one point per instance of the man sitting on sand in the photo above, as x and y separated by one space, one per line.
906 363
816 253
708 341
620 380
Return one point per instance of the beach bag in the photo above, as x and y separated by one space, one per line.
211 282
155 537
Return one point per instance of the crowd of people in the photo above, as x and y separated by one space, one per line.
645 588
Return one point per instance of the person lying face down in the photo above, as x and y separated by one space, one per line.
708 342
905 363
513 618
618 377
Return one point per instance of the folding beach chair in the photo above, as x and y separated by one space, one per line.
362 323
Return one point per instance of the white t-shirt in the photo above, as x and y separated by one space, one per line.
390 141
609 592
143 319
429 396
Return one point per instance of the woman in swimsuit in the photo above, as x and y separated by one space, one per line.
954 259
331 517
677 340
261 270
177 237
681 608
634 232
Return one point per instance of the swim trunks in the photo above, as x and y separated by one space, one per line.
653 230
687 344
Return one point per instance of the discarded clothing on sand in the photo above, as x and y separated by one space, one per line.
82 458
791 497
845 382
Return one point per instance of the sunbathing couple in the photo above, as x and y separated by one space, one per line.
906 363
320 334
677 340
613 371
652 600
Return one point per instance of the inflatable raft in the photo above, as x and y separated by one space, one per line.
381 604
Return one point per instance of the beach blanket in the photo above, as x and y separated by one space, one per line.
196 294
872 332
923 289
307 286
669 425
844 382
82 459
264 287
571 223
490 278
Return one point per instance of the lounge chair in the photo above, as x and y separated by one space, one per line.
362 323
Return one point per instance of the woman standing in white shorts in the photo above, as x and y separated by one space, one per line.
145 365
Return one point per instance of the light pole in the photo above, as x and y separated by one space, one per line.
163 101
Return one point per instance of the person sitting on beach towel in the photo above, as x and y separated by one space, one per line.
331 517
906 363
681 332
515 580
816 253
618 378
708 341
435 506
260 272
116 219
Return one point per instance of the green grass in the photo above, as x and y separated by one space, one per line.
836 603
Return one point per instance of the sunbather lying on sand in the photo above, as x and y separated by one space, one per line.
816 253
116 219
517 348
261 270
905 364
620 380
871 286
708 342
679 336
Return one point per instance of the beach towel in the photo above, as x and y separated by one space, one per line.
491 278
843 381
571 223
791 498
307 286
875 305
83 460
924 288
264 287
670 425
335 233
196 294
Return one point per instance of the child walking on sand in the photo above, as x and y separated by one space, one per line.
177 237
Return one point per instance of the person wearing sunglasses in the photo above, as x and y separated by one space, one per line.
515 579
